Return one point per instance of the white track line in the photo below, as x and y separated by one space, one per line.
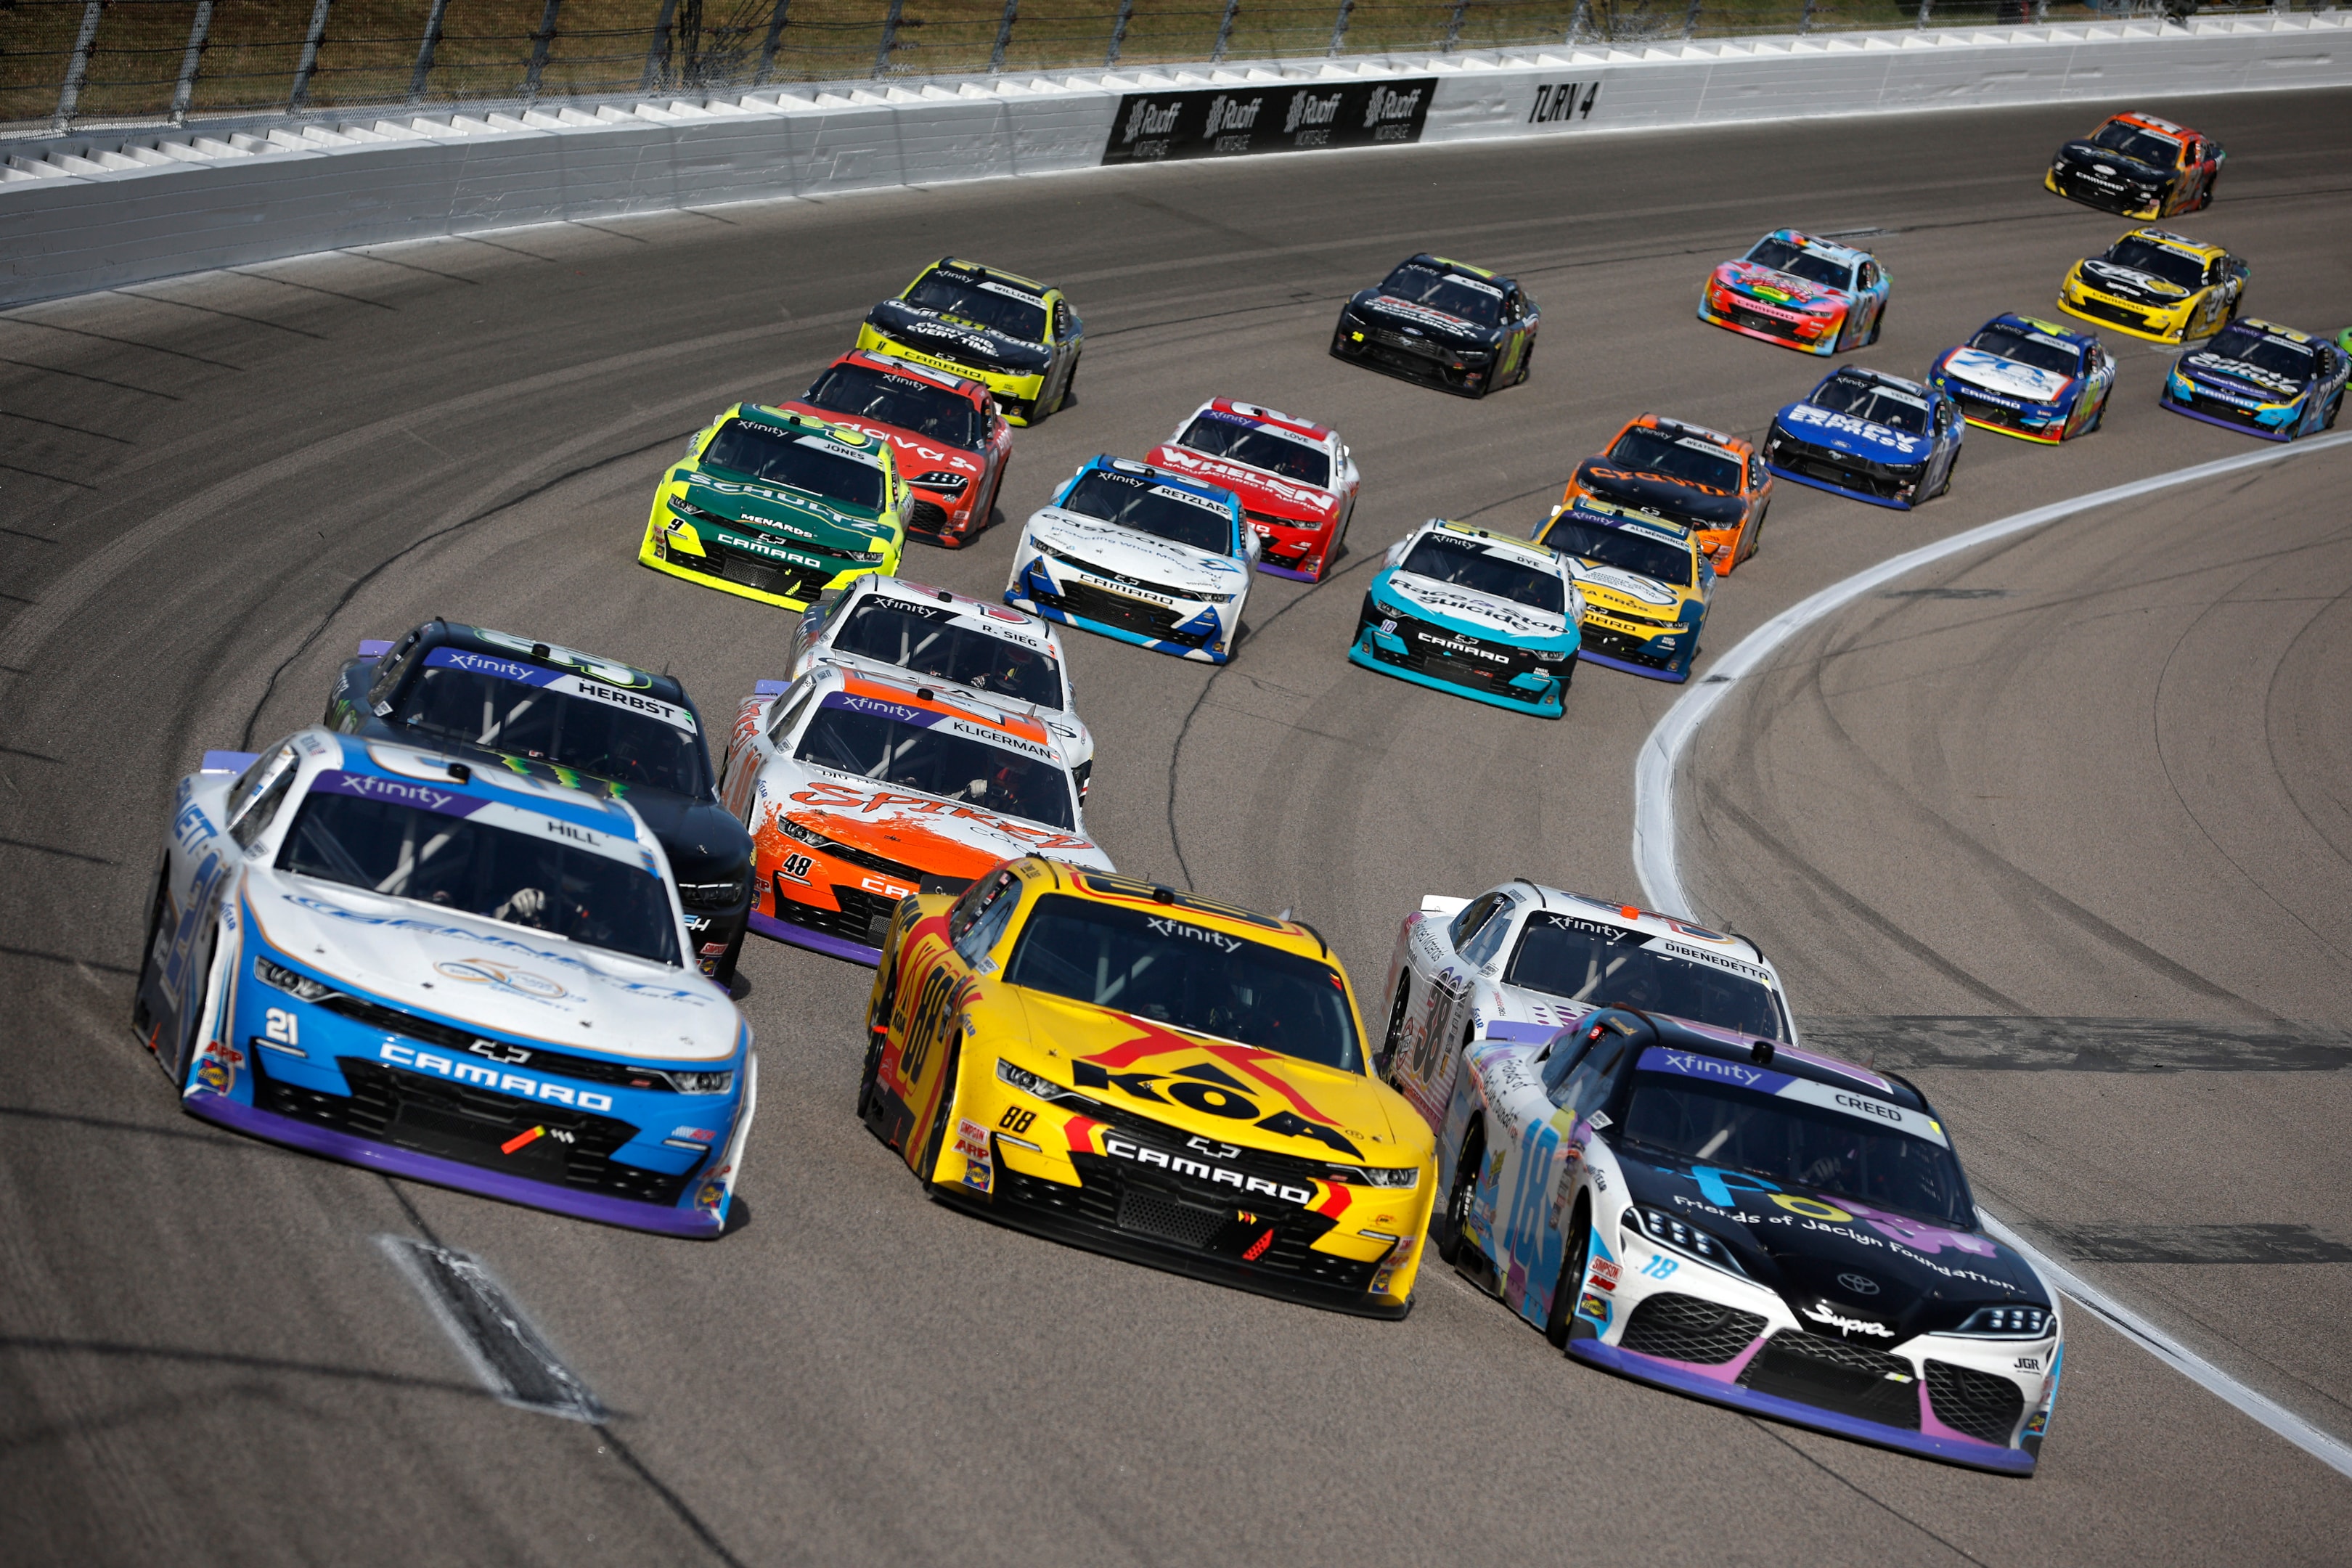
1655 863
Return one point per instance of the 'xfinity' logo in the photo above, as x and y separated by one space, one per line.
1710 1067
1178 928
1822 1312
481 664
1119 1148
397 790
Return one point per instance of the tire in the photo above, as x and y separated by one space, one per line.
936 1140
1571 1276
1949 469
1878 328
1070 385
1394 1038
2334 408
1526 362
1448 1226
141 1019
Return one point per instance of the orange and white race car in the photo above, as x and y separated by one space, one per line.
861 790
1294 478
1713 484
950 443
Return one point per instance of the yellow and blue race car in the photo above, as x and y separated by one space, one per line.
1645 584
2156 285
2262 378
1150 1075
1016 335
778 507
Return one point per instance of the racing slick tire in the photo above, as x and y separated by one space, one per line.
1526 363
1448 1224
1395 1037
2333 409
1070 386
1878 328
1571 1276
1949 469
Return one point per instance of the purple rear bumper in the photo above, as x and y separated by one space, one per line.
440 1172
1669 1374
815 941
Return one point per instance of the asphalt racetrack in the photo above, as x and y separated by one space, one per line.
2071 812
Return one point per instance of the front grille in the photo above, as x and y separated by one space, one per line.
470 1125
781 578
1162 589
2215 408
1424 347
1684 1328
863 917
2083 189
926 517
1982 1404
498 1053
1843 469
1984 411
874 862
1836 1375
1758 321
2138 321
1114 609
1186 1224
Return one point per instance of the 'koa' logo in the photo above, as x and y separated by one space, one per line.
1213 1093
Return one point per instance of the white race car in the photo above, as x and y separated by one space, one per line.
1297 482
1140 554
444 970
897 628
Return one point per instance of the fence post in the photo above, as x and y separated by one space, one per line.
425 51
1453 27
1339 29
77 67
1805 23
539 43
1224 32
1577 20
309 62
768 49
1924 8
1690 21
890 39
184 92
1004 36
657 51
1118 34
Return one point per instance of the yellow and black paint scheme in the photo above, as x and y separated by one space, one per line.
2156 285
767 541
1016 336
1104 1129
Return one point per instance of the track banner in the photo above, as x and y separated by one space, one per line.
1226 122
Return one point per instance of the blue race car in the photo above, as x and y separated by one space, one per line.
1480 615
443 970
1871 435
2261 378
2026 377
1140 555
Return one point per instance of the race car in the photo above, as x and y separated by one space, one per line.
1296 483
1645 584
2262 378
442 970
1150 1074
1747 1223
893 627
778 507
1017 336
2139 166
2157 286
1713 484
1139 553
1799 293
1445 323
1480 615
946 438
2026 377
574 718
1871 435
862 789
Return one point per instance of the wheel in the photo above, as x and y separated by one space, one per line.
1527 361
2334 408
1457 1202
1877 327
1070 385
1395 1035
1756 533
1945 486
1571 1279
936 1140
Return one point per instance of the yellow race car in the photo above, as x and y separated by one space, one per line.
778 507
1016 335
2158 286
1645 585
1151 1074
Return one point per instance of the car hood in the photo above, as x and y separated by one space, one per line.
1069 731
1406 316
1469 610
2131 169
2131 283
1898 1275
1860 438
2236 375
1608 586
1785 290
1255 1097
786 516
2008 378
1686 504
503 979
957 340
1143 556
1288 499
933 835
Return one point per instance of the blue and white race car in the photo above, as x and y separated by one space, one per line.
1140 555
2261 378
1481 614
1871 435
2026 377
438 970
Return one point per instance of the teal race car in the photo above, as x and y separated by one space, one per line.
1483 616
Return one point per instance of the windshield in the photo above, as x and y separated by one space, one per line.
2275 355
2157 260
1466 563
931 757
913 639
2140 145
904 401
1781 257
1162 510
585 734
1456 295
1172 972
1649 451
1608 966
807 463
997 307
477 868
1872 400
1606 546
1221 437
1796 1144
2029 348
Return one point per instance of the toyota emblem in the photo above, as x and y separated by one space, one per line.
1859 1284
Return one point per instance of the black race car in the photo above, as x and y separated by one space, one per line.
2139 166
1443 322
570 718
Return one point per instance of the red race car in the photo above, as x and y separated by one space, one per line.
950 442
1296 483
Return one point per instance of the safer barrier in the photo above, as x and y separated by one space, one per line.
104 214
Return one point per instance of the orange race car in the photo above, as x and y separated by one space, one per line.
1713 484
